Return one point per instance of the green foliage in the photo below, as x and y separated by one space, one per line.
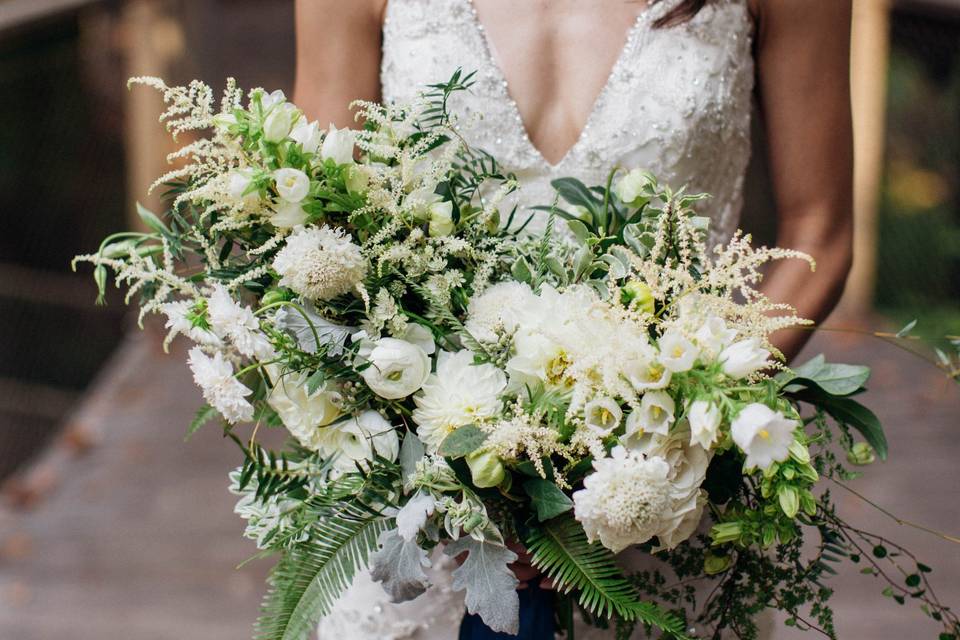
548 500
204 414
463 441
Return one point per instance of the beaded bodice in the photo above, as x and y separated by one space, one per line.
677 101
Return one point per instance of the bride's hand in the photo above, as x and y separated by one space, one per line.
524 570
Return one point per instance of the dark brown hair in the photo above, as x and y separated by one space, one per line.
681 13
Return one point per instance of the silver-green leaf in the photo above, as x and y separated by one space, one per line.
491 587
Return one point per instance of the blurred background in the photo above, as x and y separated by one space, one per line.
111 527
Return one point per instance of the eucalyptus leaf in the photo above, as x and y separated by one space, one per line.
491 587
411 452
463 441
398 566
547 498
835 379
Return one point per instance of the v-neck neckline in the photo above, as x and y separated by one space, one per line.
641 22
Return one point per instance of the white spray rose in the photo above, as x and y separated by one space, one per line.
704 418
602 415
630 187
397 368
763 434
293 185
338 145
744 358
676 352
308 135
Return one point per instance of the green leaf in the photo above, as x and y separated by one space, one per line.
854 414
152 221
905 331
464 440
579 230
577 193
204 414
547 498
913 580
315 381
521 271
835 379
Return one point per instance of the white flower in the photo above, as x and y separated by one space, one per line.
676 352
625 501
630 187
230 320
413 515
355 441
307 135
338 145
272 99
238 181
714 335
420 336
303 414
647 373
602 415
287 215
293 185
655 415
320 263
704 418
459 393
178 322
763 434
220 389
744 357
279 122
538 359
397 368
441 219
498 307
686 518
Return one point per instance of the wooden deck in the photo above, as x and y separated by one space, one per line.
138 540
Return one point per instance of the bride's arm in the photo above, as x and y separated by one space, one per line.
338 57
803 58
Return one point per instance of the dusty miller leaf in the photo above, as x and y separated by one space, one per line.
398 566
490 584
411 452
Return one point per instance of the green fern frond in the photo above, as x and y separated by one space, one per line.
559 548
309 578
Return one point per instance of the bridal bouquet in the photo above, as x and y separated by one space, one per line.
451 381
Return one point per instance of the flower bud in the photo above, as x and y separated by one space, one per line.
274 295
639 294
861 454
279 122
485 469
441 219
493 221
630 188
713 564
358 179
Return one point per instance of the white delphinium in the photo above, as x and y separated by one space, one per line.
179 322
230 320
459 393
704 418
498 308
396 368
677 353
293 185
320 263
302 413
744 358
602 415
626 499
763 434
356 439
338 145
221 390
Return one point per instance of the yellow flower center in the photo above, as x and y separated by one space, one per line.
763 433
677 351
557 368
655 411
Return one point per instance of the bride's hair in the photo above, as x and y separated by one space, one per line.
681 13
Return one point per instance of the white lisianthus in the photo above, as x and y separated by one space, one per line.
655 415
397 368
626 500
287 215
441 219
714 335
230 320
704 418
320 263
763 434
338 145
293 185
279 122
308 135
630 187
355 441
302 413
459 393
179 323
498 308
413 515
743 358
221 389
602 415
677 353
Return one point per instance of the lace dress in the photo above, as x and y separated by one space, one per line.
677 102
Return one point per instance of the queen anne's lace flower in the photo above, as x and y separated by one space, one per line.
320 263
220 389
232 321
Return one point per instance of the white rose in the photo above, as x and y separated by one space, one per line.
714 335
355 441
287 215
441 219
763 434
279 122
293 185
630 187
397 368
744 357
602 415
704 418
676 352
307 135
338 145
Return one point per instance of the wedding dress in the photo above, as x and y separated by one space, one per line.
677 102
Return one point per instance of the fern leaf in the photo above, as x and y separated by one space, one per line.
559 548
307 581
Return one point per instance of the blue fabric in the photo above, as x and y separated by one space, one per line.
536 619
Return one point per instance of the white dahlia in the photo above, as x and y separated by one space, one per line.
220 389
459 393
498 307
320 263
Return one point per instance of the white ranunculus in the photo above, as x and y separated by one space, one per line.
458 394
677 353
355 441
287 215
397 368
630 187
420 336
743 358
763 434
704 418
308 135
714 336
441 219
303 414
338 145
293 185
602 415
279 122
